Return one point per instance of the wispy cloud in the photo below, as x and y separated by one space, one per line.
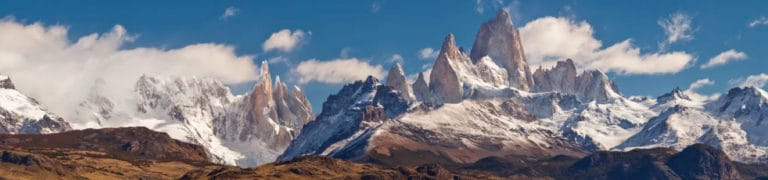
427 54
700 83
511 6
395 58
724 57
229 12
677 27
762 21
757 80
375 7
550 39
284 40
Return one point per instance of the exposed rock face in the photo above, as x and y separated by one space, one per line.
293 110
20 114
421 89
676 94
499 40
5 83
595 86
561 78
243 130
591 85
396 79
747 106
444 80
348 114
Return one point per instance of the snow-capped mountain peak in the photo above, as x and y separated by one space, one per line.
20 114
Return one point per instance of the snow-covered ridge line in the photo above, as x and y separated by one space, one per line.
244 130
479 104
20 114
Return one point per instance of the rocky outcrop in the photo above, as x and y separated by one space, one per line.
293 110
499 40
675 95
444 79
20 114
421 89
591 85
561 78
596 86
5 82
396 79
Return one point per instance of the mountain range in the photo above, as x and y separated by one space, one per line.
472 111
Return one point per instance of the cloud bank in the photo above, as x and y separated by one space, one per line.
337 71
550 39
59 72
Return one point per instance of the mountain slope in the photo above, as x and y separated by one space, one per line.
20 114
244 130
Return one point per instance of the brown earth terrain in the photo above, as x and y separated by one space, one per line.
139 153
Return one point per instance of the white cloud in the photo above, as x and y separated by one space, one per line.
284 40
691 91
677 27
757 80
762 21
725 57
336 71
59 72
550 39
395 58
700 83
229 12
428 54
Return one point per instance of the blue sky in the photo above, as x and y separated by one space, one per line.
373 31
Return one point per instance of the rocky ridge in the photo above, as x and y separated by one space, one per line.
243 130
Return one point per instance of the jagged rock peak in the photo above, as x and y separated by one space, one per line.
499 40
421 88
676 93
561 78
5 82
502 16
444 79
449 48
396 79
